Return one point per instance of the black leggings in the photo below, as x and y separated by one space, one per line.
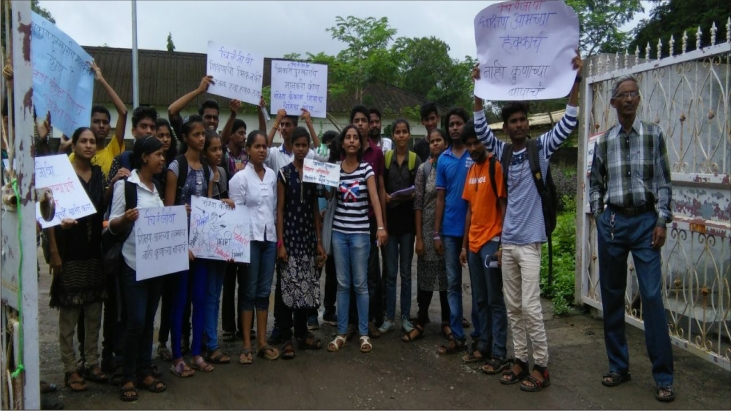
423 299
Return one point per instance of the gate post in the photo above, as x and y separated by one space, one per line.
19 257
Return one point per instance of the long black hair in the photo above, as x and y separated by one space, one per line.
173 149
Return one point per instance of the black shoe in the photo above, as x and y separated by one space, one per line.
107 365
275 338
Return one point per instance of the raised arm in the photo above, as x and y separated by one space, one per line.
308 120
179 104
484 132
554 138
118 104
233 105
281 113
260 111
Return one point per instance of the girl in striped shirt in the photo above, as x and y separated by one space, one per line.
351 235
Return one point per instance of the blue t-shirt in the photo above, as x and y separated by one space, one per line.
451 175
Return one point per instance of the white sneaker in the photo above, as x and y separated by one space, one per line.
386 326
406 324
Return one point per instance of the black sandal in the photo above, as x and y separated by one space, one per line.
156 386
536 384
123 393
498 365
96 375
670 396
453 347
309 343
613 379
288 351
447 335
410 337
509 377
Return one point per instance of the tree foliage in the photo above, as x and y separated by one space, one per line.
170 45
673 17
599 23
34 6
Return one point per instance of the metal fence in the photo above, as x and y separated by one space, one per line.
688 96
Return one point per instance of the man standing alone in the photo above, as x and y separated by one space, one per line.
630 172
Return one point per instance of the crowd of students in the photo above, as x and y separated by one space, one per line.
460 198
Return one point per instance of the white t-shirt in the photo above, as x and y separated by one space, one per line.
260 196
145 199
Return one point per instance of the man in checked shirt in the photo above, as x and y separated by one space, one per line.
631 176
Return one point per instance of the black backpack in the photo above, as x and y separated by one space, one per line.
546 189
183 175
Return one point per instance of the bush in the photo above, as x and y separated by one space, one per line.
565 181
564 258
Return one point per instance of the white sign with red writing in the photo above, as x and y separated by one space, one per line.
319 172
218 232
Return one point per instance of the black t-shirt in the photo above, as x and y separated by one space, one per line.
421 148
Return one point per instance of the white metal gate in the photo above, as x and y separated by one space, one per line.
688 96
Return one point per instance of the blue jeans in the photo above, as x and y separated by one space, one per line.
197 289
633 234
351 269
140 300
487 292
452 249
216 273
399 253
258 280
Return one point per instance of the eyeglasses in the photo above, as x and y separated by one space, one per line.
623 96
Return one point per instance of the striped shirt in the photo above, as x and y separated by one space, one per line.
631 170
524 222
351 212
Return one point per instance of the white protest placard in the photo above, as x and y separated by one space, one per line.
62 80
525 49
319 172
217 232
236 73
161 241
297 85
57 174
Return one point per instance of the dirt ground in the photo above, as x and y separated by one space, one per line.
398 375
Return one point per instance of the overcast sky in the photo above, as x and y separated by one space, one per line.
271 28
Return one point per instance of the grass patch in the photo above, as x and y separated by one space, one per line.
564 259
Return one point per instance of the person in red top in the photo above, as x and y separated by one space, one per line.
486 198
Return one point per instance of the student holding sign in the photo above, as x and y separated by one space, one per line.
299 245
525 226
188 176
141 298
76 265
256 188
216 268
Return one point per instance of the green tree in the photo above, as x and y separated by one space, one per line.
599 22
673 17
425 62
171 45
366 58
34 6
